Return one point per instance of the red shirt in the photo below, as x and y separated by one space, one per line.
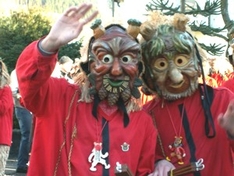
6 115
65 129
229 84
216 152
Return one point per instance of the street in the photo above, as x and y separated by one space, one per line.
11 168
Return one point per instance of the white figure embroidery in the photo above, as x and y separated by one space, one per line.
97 157
118 167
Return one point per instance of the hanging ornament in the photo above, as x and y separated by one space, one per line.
97 157
177 150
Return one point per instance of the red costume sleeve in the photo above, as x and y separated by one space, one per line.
33 71
6 100
6 115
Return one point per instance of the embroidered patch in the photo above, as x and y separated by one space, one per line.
125 146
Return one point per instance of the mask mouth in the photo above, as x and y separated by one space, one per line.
177 85
115 83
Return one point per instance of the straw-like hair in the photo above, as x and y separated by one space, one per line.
157 18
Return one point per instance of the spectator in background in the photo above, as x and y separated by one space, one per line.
76 73
66 64
6 116
24 118
207 78
221 69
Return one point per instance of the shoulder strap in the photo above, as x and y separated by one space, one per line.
206 99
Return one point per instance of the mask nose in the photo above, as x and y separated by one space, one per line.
116 69
175 75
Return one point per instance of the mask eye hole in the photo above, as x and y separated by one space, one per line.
126 59
107 59
181 60
160 64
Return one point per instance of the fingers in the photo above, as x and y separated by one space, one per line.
80 12
90 18
231 106
75 10
226 120
83 9
70 11
229 113
220 119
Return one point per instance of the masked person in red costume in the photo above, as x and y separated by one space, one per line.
88 130
195 122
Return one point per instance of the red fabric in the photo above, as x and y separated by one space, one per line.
6 115
73 131
229 84
216 152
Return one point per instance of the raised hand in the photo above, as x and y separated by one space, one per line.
226 120
67 27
